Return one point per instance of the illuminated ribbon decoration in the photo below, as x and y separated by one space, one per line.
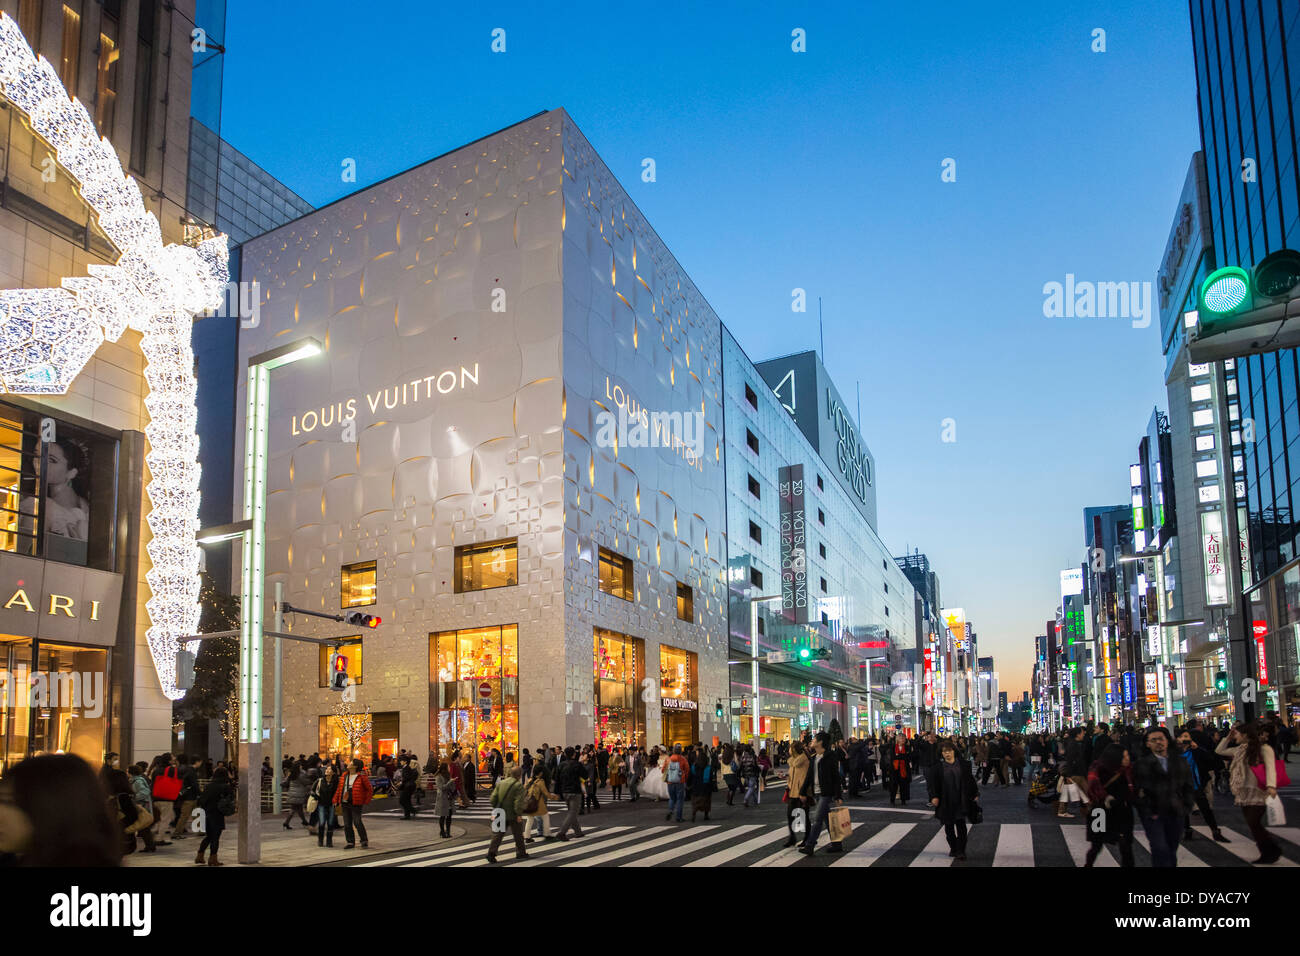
48 335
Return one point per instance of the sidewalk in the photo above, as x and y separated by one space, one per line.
281 847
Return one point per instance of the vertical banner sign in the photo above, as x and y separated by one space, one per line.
1130 688
1261 630
1216 572
794 560
1243 545
929 678
1151 684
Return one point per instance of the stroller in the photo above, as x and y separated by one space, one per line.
1044 786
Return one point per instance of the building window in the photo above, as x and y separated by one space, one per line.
755 532
751 440
143 86
820 485
756 577
619 672
685 603
762 627
679 695
821 549
61 721
483 566
353 654
755 488
70 58
821 516
58 499
106 75
380 740
886 610
616 574
751 396
29 21
886 587
823 580
358 585
826 620
474 691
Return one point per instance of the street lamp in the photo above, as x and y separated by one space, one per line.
253 566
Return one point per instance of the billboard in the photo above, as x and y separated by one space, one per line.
955 620
794 558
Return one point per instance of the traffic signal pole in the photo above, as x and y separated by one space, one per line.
277 732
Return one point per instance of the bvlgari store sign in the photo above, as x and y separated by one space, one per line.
58 603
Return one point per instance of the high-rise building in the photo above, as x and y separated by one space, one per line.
73 531
1247 58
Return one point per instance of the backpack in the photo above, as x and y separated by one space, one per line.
226 805
674 772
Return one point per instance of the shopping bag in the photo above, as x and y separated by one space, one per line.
840 824
1275 814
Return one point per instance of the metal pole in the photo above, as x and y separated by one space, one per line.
277 731
753 670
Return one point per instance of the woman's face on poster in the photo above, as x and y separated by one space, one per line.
58 472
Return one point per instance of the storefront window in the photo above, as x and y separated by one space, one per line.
336 739
483 566
70 697
619 670
58 490
358 584
15 714
474 691
678 695
616 574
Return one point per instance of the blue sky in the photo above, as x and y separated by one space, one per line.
821 170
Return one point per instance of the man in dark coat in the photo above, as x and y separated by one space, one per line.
954 796
1165 796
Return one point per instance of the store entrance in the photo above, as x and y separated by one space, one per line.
681 727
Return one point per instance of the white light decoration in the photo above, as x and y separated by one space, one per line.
48 335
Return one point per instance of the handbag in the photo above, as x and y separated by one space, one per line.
312 803
840 823
1261 774
167 786
531 805
974 814
143 821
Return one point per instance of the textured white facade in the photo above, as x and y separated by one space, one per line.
472 309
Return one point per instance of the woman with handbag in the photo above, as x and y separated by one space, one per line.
954 796
1253 775
296 796
322 792
165 780
535 806
444 799
142 797
1110 790
217 802
793 797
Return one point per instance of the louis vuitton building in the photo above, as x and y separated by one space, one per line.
510 450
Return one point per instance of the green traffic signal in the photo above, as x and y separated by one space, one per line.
1221 680
804 653
1224 292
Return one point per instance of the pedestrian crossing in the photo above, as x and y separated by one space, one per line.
920 844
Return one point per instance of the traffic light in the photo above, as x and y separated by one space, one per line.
1231 291
357 619
718 710
338 671
814 654
1221 680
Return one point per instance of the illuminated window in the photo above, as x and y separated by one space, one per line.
616 574
358 588
352 652
483 566
70 59
678 695
29 21
106 76
619 670
474 691
685 603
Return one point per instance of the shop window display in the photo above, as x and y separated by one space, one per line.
679 695
619 669
474 691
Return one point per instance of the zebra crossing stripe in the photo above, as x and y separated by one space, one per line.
675 853
935 852
1015 845
1290 834
573 851
613 855
740 849
1076 841
874 847
540 848
451 855
1243 849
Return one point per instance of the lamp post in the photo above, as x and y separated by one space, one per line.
754 658
253 584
